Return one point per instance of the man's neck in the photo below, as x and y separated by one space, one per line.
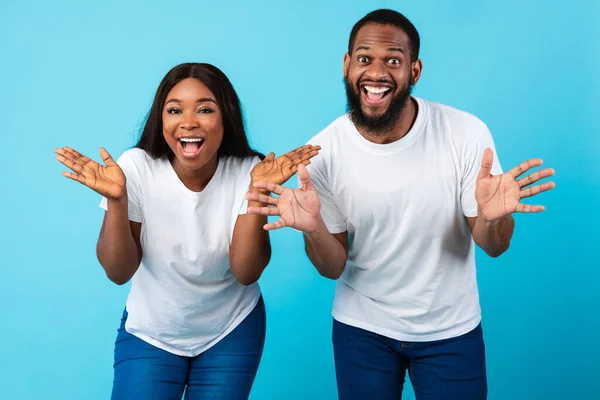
403 125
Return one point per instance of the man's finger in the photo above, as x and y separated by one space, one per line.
280 223
486 164
270 211
304 177
537 189
525 166
526 208
262 198
270 186
536 176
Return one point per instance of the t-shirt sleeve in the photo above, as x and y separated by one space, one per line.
471 166
245 183
133 177
332 216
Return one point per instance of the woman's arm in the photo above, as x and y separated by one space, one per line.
250 250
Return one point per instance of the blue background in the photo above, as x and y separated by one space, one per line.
83 74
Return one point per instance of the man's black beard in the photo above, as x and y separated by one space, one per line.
384 123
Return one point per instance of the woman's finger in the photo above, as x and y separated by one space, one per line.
306 154
75 177
106 157
303 152
70 164
76 156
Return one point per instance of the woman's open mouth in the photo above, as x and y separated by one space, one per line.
190 146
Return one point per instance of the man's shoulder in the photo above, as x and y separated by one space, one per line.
331 139
463 128
331 131
454 117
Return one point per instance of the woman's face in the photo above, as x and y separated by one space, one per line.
192 124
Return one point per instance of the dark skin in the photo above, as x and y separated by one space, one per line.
381 60
190 112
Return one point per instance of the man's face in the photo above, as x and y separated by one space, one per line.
379 77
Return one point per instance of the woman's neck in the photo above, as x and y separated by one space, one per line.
196 179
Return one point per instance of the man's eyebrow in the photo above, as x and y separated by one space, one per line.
398 49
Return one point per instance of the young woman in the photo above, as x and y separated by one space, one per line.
176 225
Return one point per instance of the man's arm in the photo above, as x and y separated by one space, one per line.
328 252
493 237
498 197
301 209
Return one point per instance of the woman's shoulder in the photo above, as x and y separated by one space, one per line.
137 164
135 155
239 165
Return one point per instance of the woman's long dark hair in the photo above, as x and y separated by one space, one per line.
235 142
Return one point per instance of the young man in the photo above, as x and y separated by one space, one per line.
402 191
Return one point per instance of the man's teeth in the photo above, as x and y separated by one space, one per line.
188 140
377 90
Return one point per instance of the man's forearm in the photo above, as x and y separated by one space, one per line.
326 252
493 237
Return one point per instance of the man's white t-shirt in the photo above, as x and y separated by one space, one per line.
184 297
410 273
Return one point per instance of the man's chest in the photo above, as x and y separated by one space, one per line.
403 187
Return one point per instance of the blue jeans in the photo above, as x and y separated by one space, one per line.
372 366
225 371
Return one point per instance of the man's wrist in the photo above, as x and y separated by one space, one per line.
485 220
320 227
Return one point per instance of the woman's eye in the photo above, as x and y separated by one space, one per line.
173 111
205 111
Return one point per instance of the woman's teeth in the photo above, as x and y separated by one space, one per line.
191 144
187 140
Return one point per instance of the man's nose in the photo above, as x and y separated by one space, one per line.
377 72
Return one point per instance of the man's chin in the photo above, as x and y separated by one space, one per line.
374 112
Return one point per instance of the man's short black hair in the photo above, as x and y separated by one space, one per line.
389 17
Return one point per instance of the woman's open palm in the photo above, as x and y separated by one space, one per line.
279 170
107 180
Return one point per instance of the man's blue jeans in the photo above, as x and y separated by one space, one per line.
372 366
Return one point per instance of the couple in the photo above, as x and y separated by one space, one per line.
397 193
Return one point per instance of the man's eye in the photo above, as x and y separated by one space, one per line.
363 59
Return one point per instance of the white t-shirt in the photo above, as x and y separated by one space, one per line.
184 297
410 273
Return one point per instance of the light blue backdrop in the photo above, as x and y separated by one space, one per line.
83 74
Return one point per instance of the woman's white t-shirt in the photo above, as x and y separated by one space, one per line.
184 297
